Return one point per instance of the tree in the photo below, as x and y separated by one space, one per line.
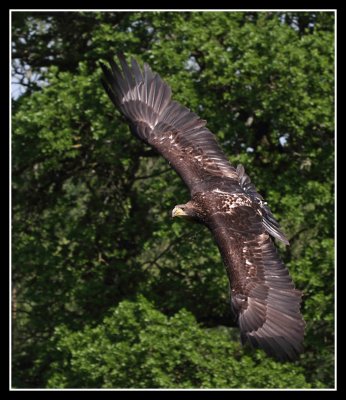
91 227
137 346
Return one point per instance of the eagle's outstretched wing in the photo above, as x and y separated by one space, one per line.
264 300
173 130
178 134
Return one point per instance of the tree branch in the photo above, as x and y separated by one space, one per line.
153 175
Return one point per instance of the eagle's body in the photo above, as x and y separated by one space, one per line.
263 297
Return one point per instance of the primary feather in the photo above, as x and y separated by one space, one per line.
263 297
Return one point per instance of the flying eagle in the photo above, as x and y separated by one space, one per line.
263 297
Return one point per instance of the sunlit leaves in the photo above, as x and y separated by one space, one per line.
137 346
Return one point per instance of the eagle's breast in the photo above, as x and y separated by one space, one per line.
217 201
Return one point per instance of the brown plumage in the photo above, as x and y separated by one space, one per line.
263 297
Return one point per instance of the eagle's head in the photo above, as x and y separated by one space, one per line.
187 211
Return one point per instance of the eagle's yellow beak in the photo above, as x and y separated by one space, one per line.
178 212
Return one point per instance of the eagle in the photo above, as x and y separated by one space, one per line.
264 300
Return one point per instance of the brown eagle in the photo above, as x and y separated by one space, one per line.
263 297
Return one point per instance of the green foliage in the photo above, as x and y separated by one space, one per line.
91 204
137 346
